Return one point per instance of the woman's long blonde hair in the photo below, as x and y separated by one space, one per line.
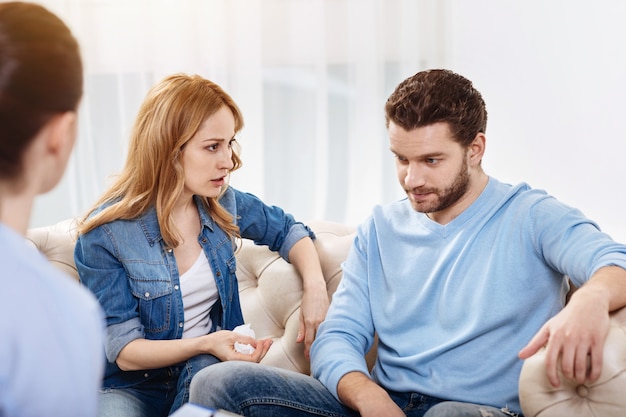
169 117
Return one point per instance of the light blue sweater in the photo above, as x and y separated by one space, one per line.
51 337
453 304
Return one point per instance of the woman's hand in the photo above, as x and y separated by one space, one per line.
305 259
151 354
312 312
223 346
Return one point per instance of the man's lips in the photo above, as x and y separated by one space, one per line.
419 195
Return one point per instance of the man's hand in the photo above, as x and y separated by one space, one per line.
359 392
574 338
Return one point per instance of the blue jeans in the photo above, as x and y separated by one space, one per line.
255 390
155 398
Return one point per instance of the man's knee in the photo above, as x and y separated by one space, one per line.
458 409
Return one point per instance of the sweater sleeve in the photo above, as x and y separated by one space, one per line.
570 242
347 333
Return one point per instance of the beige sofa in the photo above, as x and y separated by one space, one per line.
270 292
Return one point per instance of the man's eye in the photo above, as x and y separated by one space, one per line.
431 161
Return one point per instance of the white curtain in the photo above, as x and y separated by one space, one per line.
311 78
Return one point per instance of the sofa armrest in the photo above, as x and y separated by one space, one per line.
604 398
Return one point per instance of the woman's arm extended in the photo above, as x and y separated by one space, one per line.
303 256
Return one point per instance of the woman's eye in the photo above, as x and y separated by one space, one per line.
212 148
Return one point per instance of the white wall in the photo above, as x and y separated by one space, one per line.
551 71
553 75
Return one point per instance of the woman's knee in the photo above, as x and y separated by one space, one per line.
120 403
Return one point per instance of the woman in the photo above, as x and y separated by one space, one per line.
51 327
157 250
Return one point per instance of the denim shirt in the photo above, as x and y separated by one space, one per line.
134 275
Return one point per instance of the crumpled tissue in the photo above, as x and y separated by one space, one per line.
244 347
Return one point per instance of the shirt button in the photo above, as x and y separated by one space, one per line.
180 324
147 294
169 250
176 287
146 375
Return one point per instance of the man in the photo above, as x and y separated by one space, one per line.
460 281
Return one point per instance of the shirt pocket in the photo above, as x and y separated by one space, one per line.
154 297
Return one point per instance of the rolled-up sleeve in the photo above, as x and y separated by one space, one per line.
265 224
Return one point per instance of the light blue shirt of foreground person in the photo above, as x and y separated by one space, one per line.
51 337
453 304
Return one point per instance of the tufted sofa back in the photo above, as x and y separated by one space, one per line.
270 288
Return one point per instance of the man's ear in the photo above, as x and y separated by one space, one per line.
477 149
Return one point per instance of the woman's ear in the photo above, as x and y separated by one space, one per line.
59 136
61 133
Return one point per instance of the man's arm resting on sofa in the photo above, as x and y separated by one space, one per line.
576 335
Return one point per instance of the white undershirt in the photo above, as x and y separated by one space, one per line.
199 293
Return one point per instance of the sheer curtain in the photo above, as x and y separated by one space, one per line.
311 77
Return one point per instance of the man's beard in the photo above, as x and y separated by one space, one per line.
448 196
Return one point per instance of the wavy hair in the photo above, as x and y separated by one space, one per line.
169 117
438 95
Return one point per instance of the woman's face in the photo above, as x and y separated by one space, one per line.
207 157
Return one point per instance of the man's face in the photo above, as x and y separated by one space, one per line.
432 168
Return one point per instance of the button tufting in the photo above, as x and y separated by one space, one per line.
582 390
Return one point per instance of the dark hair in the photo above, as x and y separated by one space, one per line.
438 95
41 75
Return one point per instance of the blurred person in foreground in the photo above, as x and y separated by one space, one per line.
51 327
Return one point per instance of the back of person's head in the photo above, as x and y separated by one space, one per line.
435 96
41 75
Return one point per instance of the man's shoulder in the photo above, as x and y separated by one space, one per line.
519 194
